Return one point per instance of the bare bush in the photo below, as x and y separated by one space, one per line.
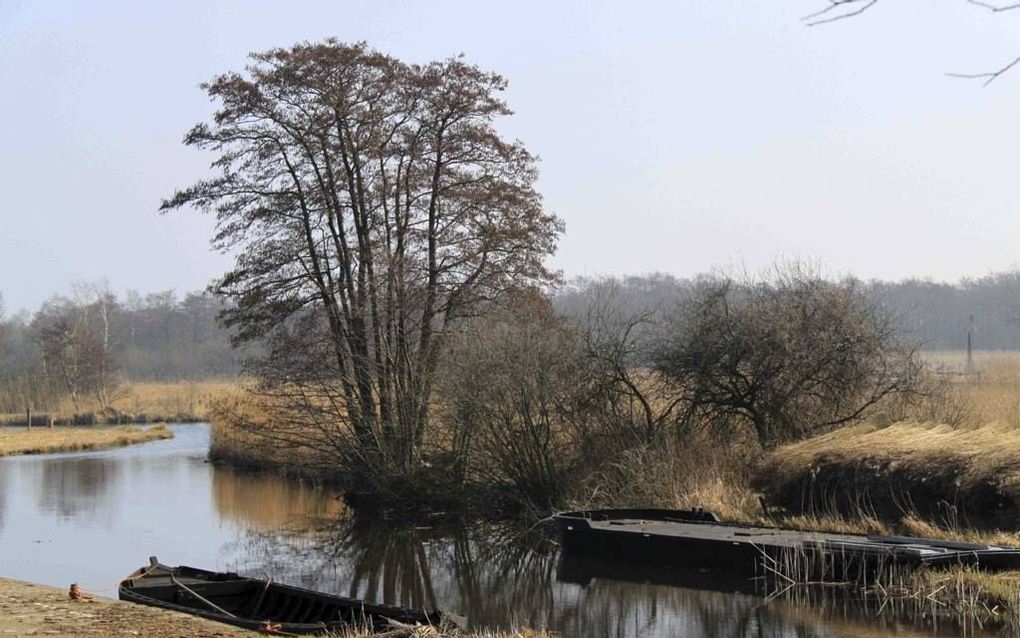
790 356
512 393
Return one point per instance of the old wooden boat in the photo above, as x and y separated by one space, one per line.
263 605
698 539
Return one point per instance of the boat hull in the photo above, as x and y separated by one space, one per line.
262 605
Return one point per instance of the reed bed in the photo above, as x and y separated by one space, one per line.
136 402
76 439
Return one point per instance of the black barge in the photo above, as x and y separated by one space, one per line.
697 539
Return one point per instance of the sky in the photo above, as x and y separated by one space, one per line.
678 136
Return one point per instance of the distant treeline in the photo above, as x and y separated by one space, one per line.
84 343
165 336
935 315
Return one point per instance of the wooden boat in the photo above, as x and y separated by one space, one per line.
698 539
262 605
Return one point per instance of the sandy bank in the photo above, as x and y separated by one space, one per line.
37 610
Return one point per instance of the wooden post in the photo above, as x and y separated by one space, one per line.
970 353
51 421
28 414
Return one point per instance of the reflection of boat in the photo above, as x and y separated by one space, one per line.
696 539
263 605
582 570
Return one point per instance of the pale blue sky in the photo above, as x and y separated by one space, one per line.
675 136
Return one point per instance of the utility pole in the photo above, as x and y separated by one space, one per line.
970 346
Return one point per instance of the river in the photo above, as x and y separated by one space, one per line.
93 517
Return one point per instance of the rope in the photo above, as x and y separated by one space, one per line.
116 584
199 596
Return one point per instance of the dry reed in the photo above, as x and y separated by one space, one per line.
137 402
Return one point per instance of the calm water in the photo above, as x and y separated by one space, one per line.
93 517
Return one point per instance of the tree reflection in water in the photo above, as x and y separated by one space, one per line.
500 577
75 488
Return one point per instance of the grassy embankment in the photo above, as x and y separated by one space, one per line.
135 402
75 439
922 478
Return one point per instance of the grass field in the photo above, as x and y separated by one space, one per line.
137 402
75 439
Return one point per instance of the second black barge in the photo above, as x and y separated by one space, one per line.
697 539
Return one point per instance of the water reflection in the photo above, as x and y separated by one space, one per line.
499 578
94 517
264 502
73 490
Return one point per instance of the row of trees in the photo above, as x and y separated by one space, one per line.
936 315
81 344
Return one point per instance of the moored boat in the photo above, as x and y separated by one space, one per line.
698 539
263 605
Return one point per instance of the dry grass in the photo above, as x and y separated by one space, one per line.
191 398
61 439
976 599
694 472
430 632
138 402
242 435
956 476
914 475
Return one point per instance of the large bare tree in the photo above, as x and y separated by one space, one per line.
377 198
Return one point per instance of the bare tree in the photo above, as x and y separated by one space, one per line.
836 10
72 356
94 300
789 356
378 196
617 346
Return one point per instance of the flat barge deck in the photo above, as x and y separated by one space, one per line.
698 539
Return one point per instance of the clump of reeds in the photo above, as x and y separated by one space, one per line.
687 471
966 595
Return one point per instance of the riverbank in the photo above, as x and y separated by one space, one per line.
27 609
136 402
75 439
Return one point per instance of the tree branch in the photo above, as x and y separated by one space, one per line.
988 77
823 17
993 7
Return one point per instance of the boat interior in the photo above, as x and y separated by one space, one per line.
254 599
